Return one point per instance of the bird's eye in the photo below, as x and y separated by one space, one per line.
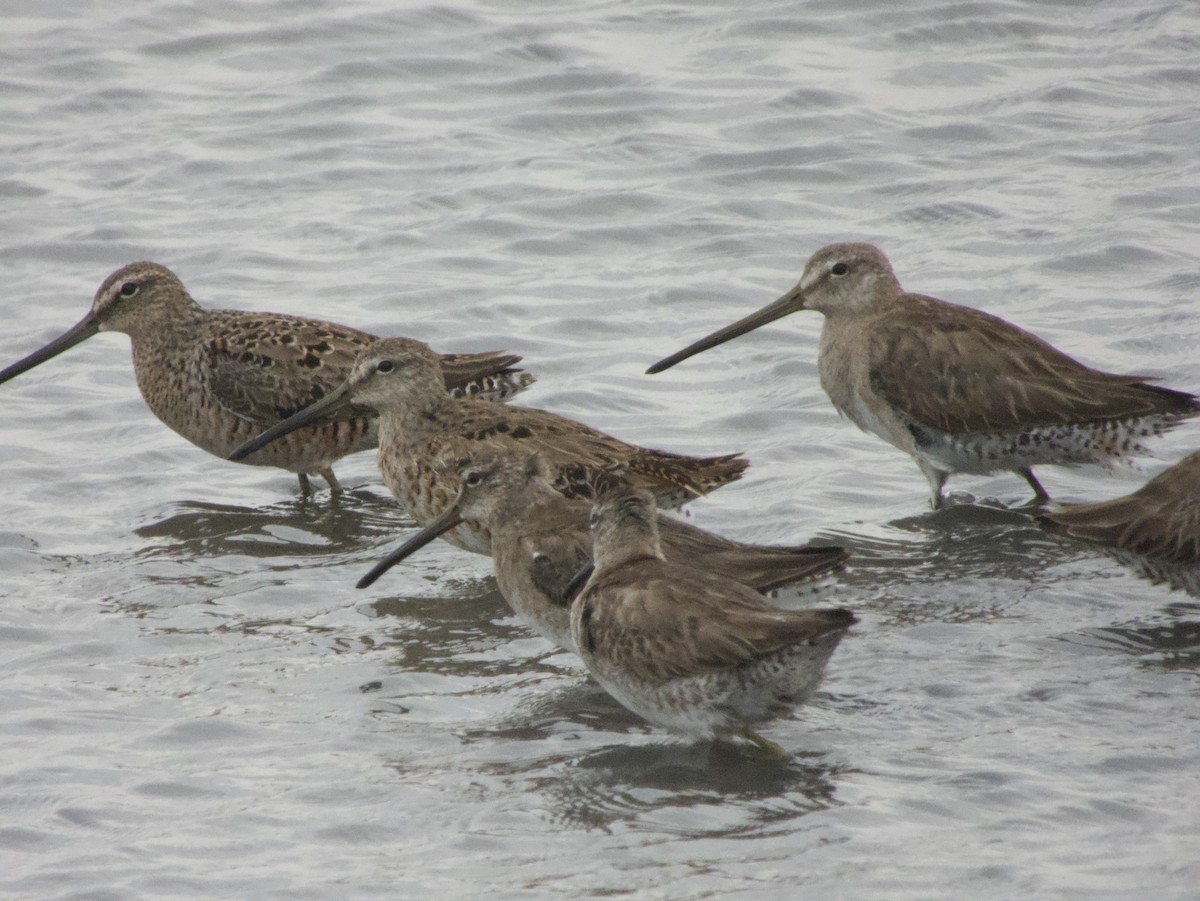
385 366
130 288
473 478
839 269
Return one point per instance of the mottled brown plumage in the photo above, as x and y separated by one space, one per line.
219 377
1156 528
540 540
399 377
685 646
958 389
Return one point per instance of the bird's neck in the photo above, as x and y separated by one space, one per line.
626 534
417 417
161 321
167 338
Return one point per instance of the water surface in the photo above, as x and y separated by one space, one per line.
197 703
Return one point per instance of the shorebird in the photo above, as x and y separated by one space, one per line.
1156 529
684 645
958 389
542 545
399 377
219 377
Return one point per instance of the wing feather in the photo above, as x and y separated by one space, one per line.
961 370
1161 519
573 451
264 367
660 621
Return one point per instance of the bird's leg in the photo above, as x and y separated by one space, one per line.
335 487
774 750
1039 493
937 479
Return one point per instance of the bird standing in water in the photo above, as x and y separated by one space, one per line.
220 377
959 390
401 379
685 646
541 543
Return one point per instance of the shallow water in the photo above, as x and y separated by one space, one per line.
197 701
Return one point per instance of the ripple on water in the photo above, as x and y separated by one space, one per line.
199 703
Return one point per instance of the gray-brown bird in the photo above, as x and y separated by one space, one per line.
1156 529
220 377
686 646
958 389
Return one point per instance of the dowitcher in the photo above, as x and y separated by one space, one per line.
1156 529
219 377
399 377
686 646
958 389
541 542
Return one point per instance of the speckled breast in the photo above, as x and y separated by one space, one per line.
173 388
419 488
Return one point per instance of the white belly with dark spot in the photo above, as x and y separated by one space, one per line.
1101 444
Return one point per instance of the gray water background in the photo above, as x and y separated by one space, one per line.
196 702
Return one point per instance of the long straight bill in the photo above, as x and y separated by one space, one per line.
789 303
313 413
440 526
81 331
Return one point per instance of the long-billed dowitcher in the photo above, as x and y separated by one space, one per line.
399 378
958 389
685 646
541 540
219 377
1156 529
